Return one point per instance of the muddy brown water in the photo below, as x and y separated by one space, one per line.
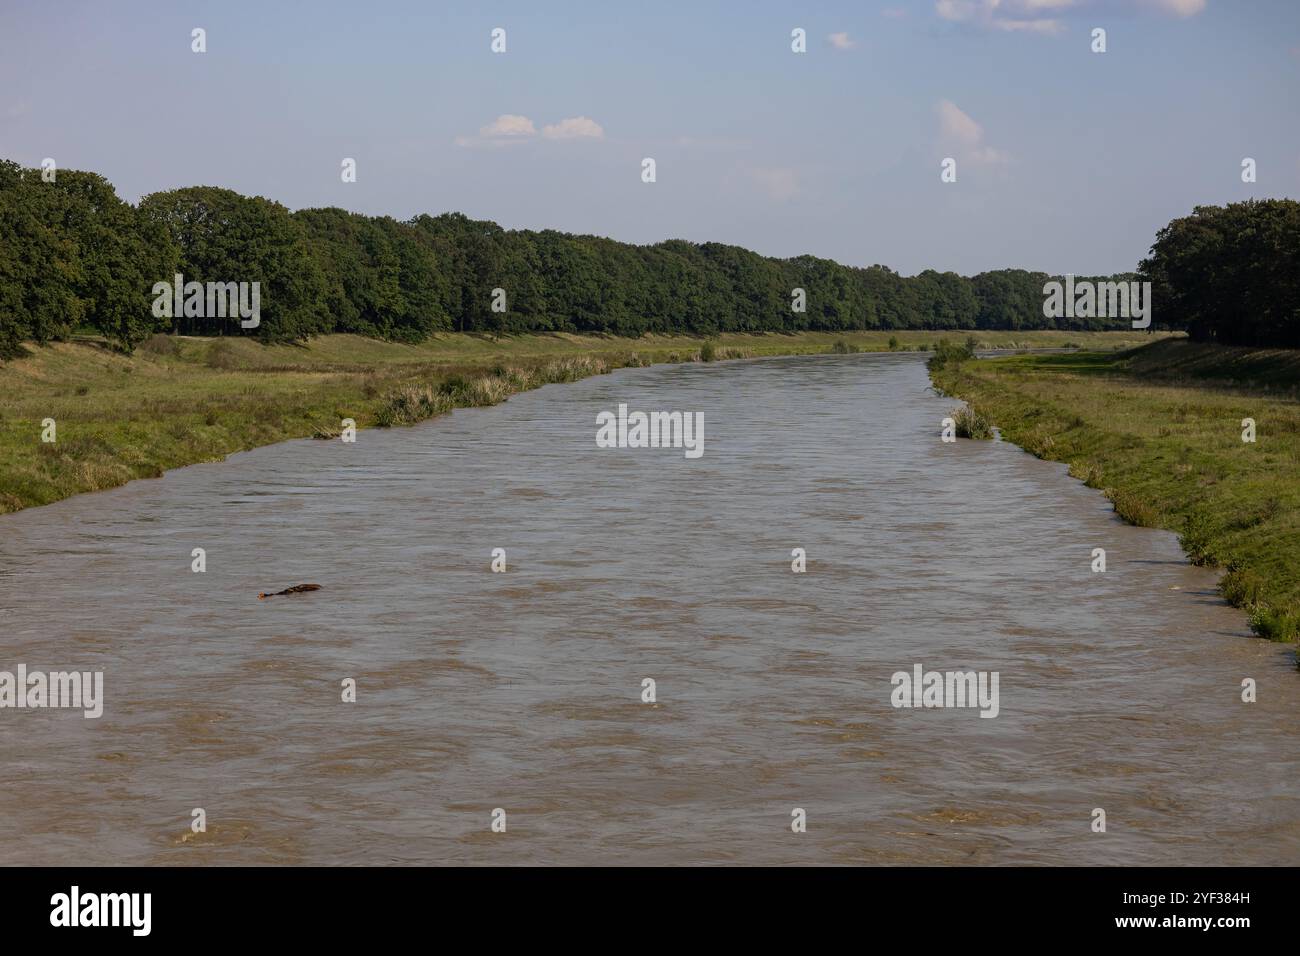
522 690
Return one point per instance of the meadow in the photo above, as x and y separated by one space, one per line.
180 400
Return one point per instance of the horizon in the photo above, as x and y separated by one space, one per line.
755 146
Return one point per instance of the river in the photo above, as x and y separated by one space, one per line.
523 690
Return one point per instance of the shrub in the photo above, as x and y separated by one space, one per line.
708 351
159 344
945 353
221 355
1274 624
842 347
1197 537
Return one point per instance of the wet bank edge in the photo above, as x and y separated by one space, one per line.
457 402
1293 649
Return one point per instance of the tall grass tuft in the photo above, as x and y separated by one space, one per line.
1241 587
1087 472
411 404
971 424
1133 509
571 369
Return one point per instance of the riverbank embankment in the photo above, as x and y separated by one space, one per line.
1199 439
180 400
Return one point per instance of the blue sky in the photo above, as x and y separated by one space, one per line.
1067 160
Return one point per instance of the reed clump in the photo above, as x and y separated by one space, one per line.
971 424
1133 508
413 403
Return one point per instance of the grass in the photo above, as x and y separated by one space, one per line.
971 424
1159 430
180 400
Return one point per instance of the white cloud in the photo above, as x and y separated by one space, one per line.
841 41
1011 15
956 126
509 129
508 124
955 9
1180 8
577 127
506 130
1043 16
776 182
965 137
1048 26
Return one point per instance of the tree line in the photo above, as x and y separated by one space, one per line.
1231 274
74 255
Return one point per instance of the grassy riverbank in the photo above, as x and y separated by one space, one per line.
177 401
1159 430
